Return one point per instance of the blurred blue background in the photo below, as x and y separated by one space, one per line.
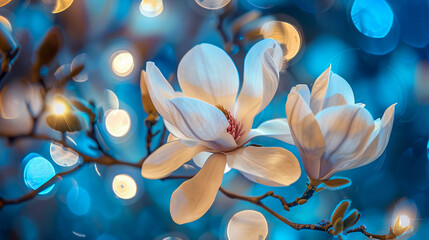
381 47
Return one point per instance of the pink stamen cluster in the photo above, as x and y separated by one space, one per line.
235 127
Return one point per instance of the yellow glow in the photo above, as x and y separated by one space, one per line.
286 34
122 63
404 220
6 23
212 4
124 186
61 5
4 2
118 122
59 108
151 8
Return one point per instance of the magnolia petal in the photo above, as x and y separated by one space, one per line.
379 142
159 90
201 158
261 78
194 197
303 90
260 180
171 138
247 224
168 158
275 164
201 121
206 72
173 129
275 128
306 133
329 90
346 130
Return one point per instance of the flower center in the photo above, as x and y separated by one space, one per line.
235 127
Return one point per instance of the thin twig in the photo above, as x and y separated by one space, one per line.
362 229
32 194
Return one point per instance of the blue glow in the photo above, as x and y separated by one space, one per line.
325 50
25 228
34 19
373 18
380 46
106 237
413 18
428 150
313 7
37 172
78 201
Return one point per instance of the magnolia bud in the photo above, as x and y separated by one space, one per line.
351 218
337 183
49 47
340 210
82 106
398 230
338 227
148 106
67 122
7 41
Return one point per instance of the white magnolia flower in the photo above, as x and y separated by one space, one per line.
331 132
208 118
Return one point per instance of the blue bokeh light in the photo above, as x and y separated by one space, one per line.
37 172
78 201
326 50
380 46
373 18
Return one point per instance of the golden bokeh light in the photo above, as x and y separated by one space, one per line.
118 122
59 108
124 186
4 2
6 23
61 5
286 34
212 4
122 63
404 220
406 211
151 8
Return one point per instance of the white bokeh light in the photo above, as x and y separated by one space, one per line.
404 220
247 224
62 156
212 4
122 63
124 186
118 122
59 108
286 34
151 8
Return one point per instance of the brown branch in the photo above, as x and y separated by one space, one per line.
257 201
149 136
104 159
362 229
107 159
33 194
